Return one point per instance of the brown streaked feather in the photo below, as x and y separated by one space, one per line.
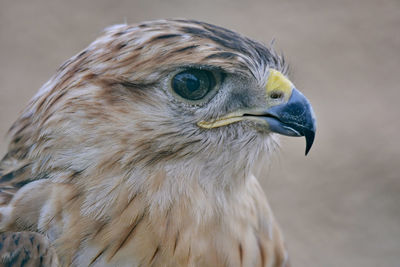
26 249
154 255
99 254
12 178
125 238
261 250
241 254
176 242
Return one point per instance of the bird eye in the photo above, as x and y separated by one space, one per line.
193 84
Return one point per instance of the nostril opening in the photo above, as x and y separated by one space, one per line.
276 95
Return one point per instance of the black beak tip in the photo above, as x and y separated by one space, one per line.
309 135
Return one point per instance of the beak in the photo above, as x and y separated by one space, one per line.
294 118
291 116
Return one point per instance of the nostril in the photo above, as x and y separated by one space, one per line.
276 95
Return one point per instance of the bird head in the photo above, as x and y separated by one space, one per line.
167 90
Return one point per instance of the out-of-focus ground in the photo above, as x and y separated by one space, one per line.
339 206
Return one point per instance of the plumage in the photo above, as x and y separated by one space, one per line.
116 166
26 249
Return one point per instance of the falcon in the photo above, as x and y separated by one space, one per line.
139 151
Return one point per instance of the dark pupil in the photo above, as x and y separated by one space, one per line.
193 84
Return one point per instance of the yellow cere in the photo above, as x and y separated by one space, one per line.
278 82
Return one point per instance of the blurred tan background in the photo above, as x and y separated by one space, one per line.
339 206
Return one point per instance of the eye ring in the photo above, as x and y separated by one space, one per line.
193 84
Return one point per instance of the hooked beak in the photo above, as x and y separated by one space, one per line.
292 116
